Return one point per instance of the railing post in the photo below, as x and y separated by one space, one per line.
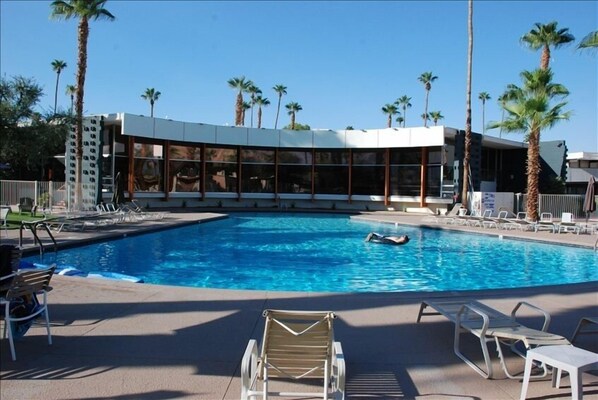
35 193
51 195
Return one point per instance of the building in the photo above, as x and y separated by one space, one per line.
581 166
172 163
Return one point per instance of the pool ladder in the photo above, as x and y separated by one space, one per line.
32 226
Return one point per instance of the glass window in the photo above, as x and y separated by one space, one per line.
294 179
369 157
435 155
407 156
148 175
368 180
332 157
257 178
433 188
147 150
294 157
185 176
405 180
258 156
221 154
332 180
177 152
221 177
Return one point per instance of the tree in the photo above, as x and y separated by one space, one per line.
29 138
280 90
71 90
589 41
261 102
427 78
152 95
530 110
546 36
436 116
298 127
253 92
84 10
425 117
57 66
404 102
391 110
292 109
400 120
483 96
502 101
244 107
467 139
241 85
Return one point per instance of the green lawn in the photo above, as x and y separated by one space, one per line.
13 220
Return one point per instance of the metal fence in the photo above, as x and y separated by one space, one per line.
46 195
556 204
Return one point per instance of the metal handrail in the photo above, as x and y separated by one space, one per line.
32 226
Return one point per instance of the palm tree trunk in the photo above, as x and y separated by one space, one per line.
426 108
389 122
56 91
239 109
467 151
83 34
404 115
483 117
259 117
533 174
152 108
292 120
545 60
502 119
72 103
277 111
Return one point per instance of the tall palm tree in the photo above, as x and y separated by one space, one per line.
57 66
404 102
253 92
261 102
244 107
427 78
292 109
151 95
467 139
425 117
483 96
530 110
280 90
241 85
84 10
391 110
502 101
71 90
546 36
400 120
590 40
436 116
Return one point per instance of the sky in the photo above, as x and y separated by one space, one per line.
340 60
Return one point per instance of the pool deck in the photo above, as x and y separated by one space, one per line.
119 340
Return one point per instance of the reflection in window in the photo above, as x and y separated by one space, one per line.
185 176
221 154
368 157
332 157
221 177
148 175
294 178
257 178
433 181
405 180
177 152
294 157
257 156
331 179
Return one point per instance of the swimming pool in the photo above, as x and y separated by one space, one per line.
327 253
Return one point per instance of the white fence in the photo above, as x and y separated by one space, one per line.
46 195
556 204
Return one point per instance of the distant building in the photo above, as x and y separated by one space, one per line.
174 163
580 167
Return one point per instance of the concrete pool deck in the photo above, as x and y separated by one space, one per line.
118 340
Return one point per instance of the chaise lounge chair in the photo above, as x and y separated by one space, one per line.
488 324
567 224
296 345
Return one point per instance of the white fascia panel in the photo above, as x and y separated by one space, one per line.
263 137
232 135
329 139
426 137
359 139
169 130
394 137
138 125
195 132
301 139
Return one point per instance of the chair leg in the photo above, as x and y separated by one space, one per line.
576 385
526 376
10 339
48 326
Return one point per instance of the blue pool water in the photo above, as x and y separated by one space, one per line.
327 253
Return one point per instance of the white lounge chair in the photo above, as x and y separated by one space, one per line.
488 324
497 221
567 224
296 345
519 222
545 223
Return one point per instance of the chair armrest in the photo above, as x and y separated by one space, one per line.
544 313
7 276
480 312
338 371
249 367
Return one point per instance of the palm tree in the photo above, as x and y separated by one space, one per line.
57 66
391 110
502 101
70 91
280 90
467 139
529 110
84 10
483 96
404 102
244 107
241 85
436 116
253 92
545 36
400 120
261 102
425 117
292 109
590 40
151 95
427 78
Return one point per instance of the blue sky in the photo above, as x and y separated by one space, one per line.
342 61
